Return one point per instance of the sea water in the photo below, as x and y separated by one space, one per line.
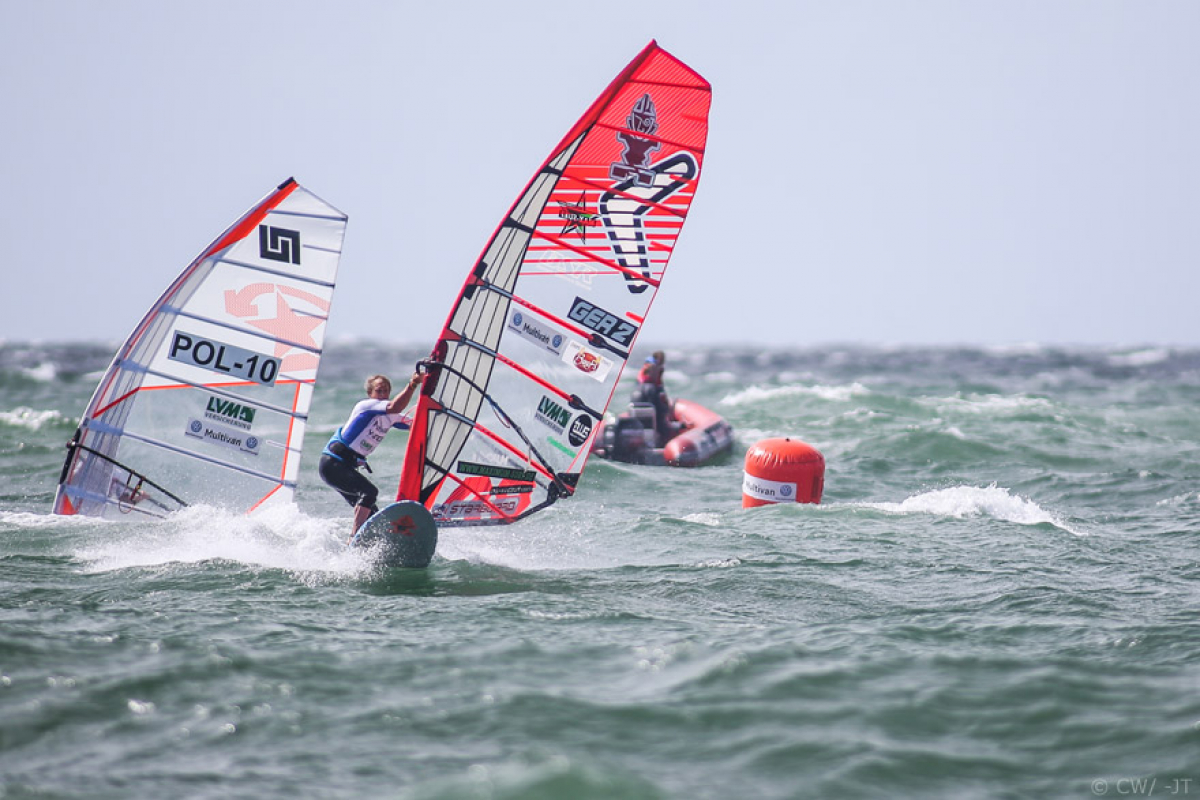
999 597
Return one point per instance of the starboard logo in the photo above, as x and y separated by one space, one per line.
643 118
279 244
475 508
622 216
581 429
552 415
228 411
576 217
640 190
602 322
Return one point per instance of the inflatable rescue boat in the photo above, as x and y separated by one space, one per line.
700 437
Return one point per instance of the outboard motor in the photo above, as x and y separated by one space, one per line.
630 438
643 413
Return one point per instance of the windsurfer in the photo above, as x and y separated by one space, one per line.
650 390
369 422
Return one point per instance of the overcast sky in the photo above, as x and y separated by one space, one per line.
878 172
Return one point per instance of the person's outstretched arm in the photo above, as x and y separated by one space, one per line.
398 403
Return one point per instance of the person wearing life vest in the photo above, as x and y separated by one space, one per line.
650 390
348 448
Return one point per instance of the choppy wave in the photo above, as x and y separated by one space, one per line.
974 501
993 404
279 537
1140 358
44 372
30 418
758 394
931 629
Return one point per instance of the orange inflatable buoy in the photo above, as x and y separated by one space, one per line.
782 471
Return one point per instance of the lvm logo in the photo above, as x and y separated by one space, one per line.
552 415
228 411
279 244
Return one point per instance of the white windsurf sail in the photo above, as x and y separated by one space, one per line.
206 402
536 341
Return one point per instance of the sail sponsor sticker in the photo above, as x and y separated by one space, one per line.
603 322
279 244
235 414
576 217
511 488
460 509
494 471
538 333
552 415
581 429
768 490
587 361
214 356
635 158
220 435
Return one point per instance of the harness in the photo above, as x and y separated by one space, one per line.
341 452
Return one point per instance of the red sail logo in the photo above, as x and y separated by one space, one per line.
294 316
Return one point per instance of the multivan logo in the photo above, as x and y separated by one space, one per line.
549 338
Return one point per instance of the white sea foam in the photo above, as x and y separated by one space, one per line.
44 372
989 404
553 540
1140 358
18 520
29 418
1179 499
974 501
280 537
1015 349
758 394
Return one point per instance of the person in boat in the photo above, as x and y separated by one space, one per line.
650 390
347 450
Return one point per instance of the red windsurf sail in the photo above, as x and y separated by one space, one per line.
536 341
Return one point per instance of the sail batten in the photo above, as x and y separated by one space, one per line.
557 298
207 400
241 329
284 273
216 461
219 389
